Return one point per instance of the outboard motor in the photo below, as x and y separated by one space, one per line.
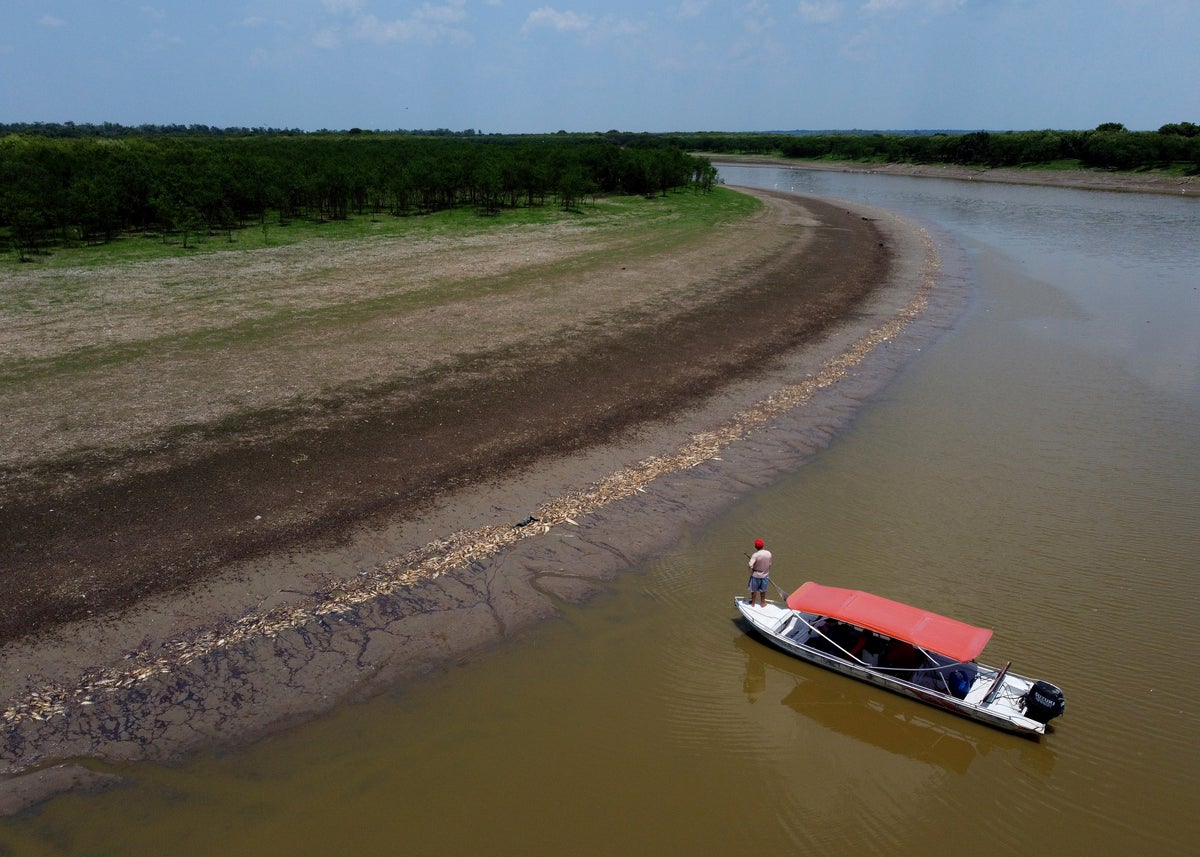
1044 702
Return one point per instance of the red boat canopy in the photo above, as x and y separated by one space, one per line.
948 637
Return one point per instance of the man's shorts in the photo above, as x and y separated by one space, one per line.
758 584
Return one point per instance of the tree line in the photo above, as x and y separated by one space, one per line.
1109 146
94 188
116 130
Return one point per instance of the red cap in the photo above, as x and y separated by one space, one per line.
758 543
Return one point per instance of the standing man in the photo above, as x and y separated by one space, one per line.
760 573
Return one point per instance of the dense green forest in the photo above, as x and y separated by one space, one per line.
63 189
67 183
1110 146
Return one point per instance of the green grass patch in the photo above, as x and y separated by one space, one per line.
683 209
1061 165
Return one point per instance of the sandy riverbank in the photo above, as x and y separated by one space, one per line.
549 484
1081 179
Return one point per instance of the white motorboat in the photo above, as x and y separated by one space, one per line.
914 652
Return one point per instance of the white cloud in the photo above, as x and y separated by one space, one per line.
692 8
623 27
440 14
428 24
157 40
861 46
327 39
822 12
549 18
592 30
51 21
891 7
760 20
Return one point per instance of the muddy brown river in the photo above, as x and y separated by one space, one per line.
1032 468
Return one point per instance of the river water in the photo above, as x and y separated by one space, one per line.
1035 470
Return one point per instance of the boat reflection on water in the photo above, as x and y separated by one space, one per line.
755 683
898 728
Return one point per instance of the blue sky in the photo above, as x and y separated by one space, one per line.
588 65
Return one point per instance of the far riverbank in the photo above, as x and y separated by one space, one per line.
1082 179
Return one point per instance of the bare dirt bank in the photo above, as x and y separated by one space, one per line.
271 577
1082 179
